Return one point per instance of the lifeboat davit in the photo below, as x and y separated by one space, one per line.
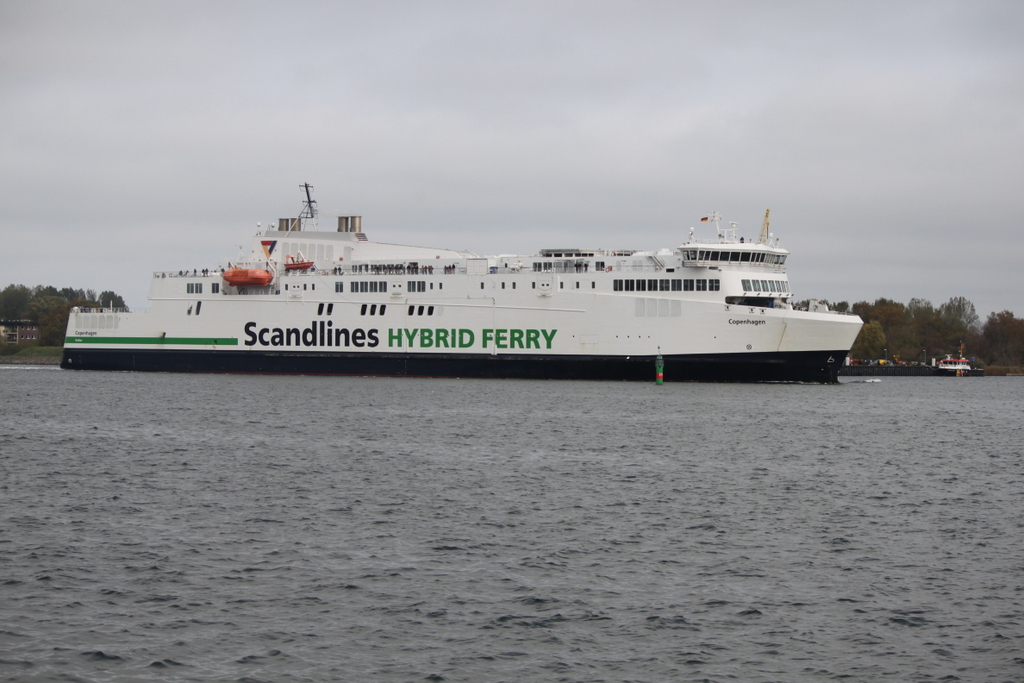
291 263
248 277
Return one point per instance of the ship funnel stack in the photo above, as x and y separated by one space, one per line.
350 223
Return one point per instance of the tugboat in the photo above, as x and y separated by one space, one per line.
958 367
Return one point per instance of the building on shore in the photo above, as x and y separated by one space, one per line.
17 331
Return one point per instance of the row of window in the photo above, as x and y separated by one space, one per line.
734 256
372 310
646 285
667 285
566 266
361 287
375 309
561 285
197 288
663 285
422 310
780 286
701 285
649 285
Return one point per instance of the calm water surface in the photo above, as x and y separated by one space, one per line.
164 527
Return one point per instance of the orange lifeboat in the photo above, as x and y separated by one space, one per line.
292 263
248 277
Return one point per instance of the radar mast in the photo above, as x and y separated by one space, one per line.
308 206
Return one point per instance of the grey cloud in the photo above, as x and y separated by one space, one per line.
166 130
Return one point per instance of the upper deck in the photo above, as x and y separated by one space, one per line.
727 269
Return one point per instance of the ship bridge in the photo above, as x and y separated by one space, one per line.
727 249
753 254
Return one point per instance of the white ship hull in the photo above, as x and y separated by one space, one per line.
568 314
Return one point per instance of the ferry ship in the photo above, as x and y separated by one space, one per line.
333 302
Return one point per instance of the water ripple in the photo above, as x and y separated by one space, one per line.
162 527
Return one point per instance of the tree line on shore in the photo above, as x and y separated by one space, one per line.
911 332
918 331
50 307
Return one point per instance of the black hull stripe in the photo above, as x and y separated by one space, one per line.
817 366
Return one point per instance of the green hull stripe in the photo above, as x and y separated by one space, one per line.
154 341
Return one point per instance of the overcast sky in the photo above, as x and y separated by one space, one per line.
887 138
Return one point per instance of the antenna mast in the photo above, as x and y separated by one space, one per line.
309 206
764 228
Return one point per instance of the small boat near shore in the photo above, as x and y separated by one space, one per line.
957 367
